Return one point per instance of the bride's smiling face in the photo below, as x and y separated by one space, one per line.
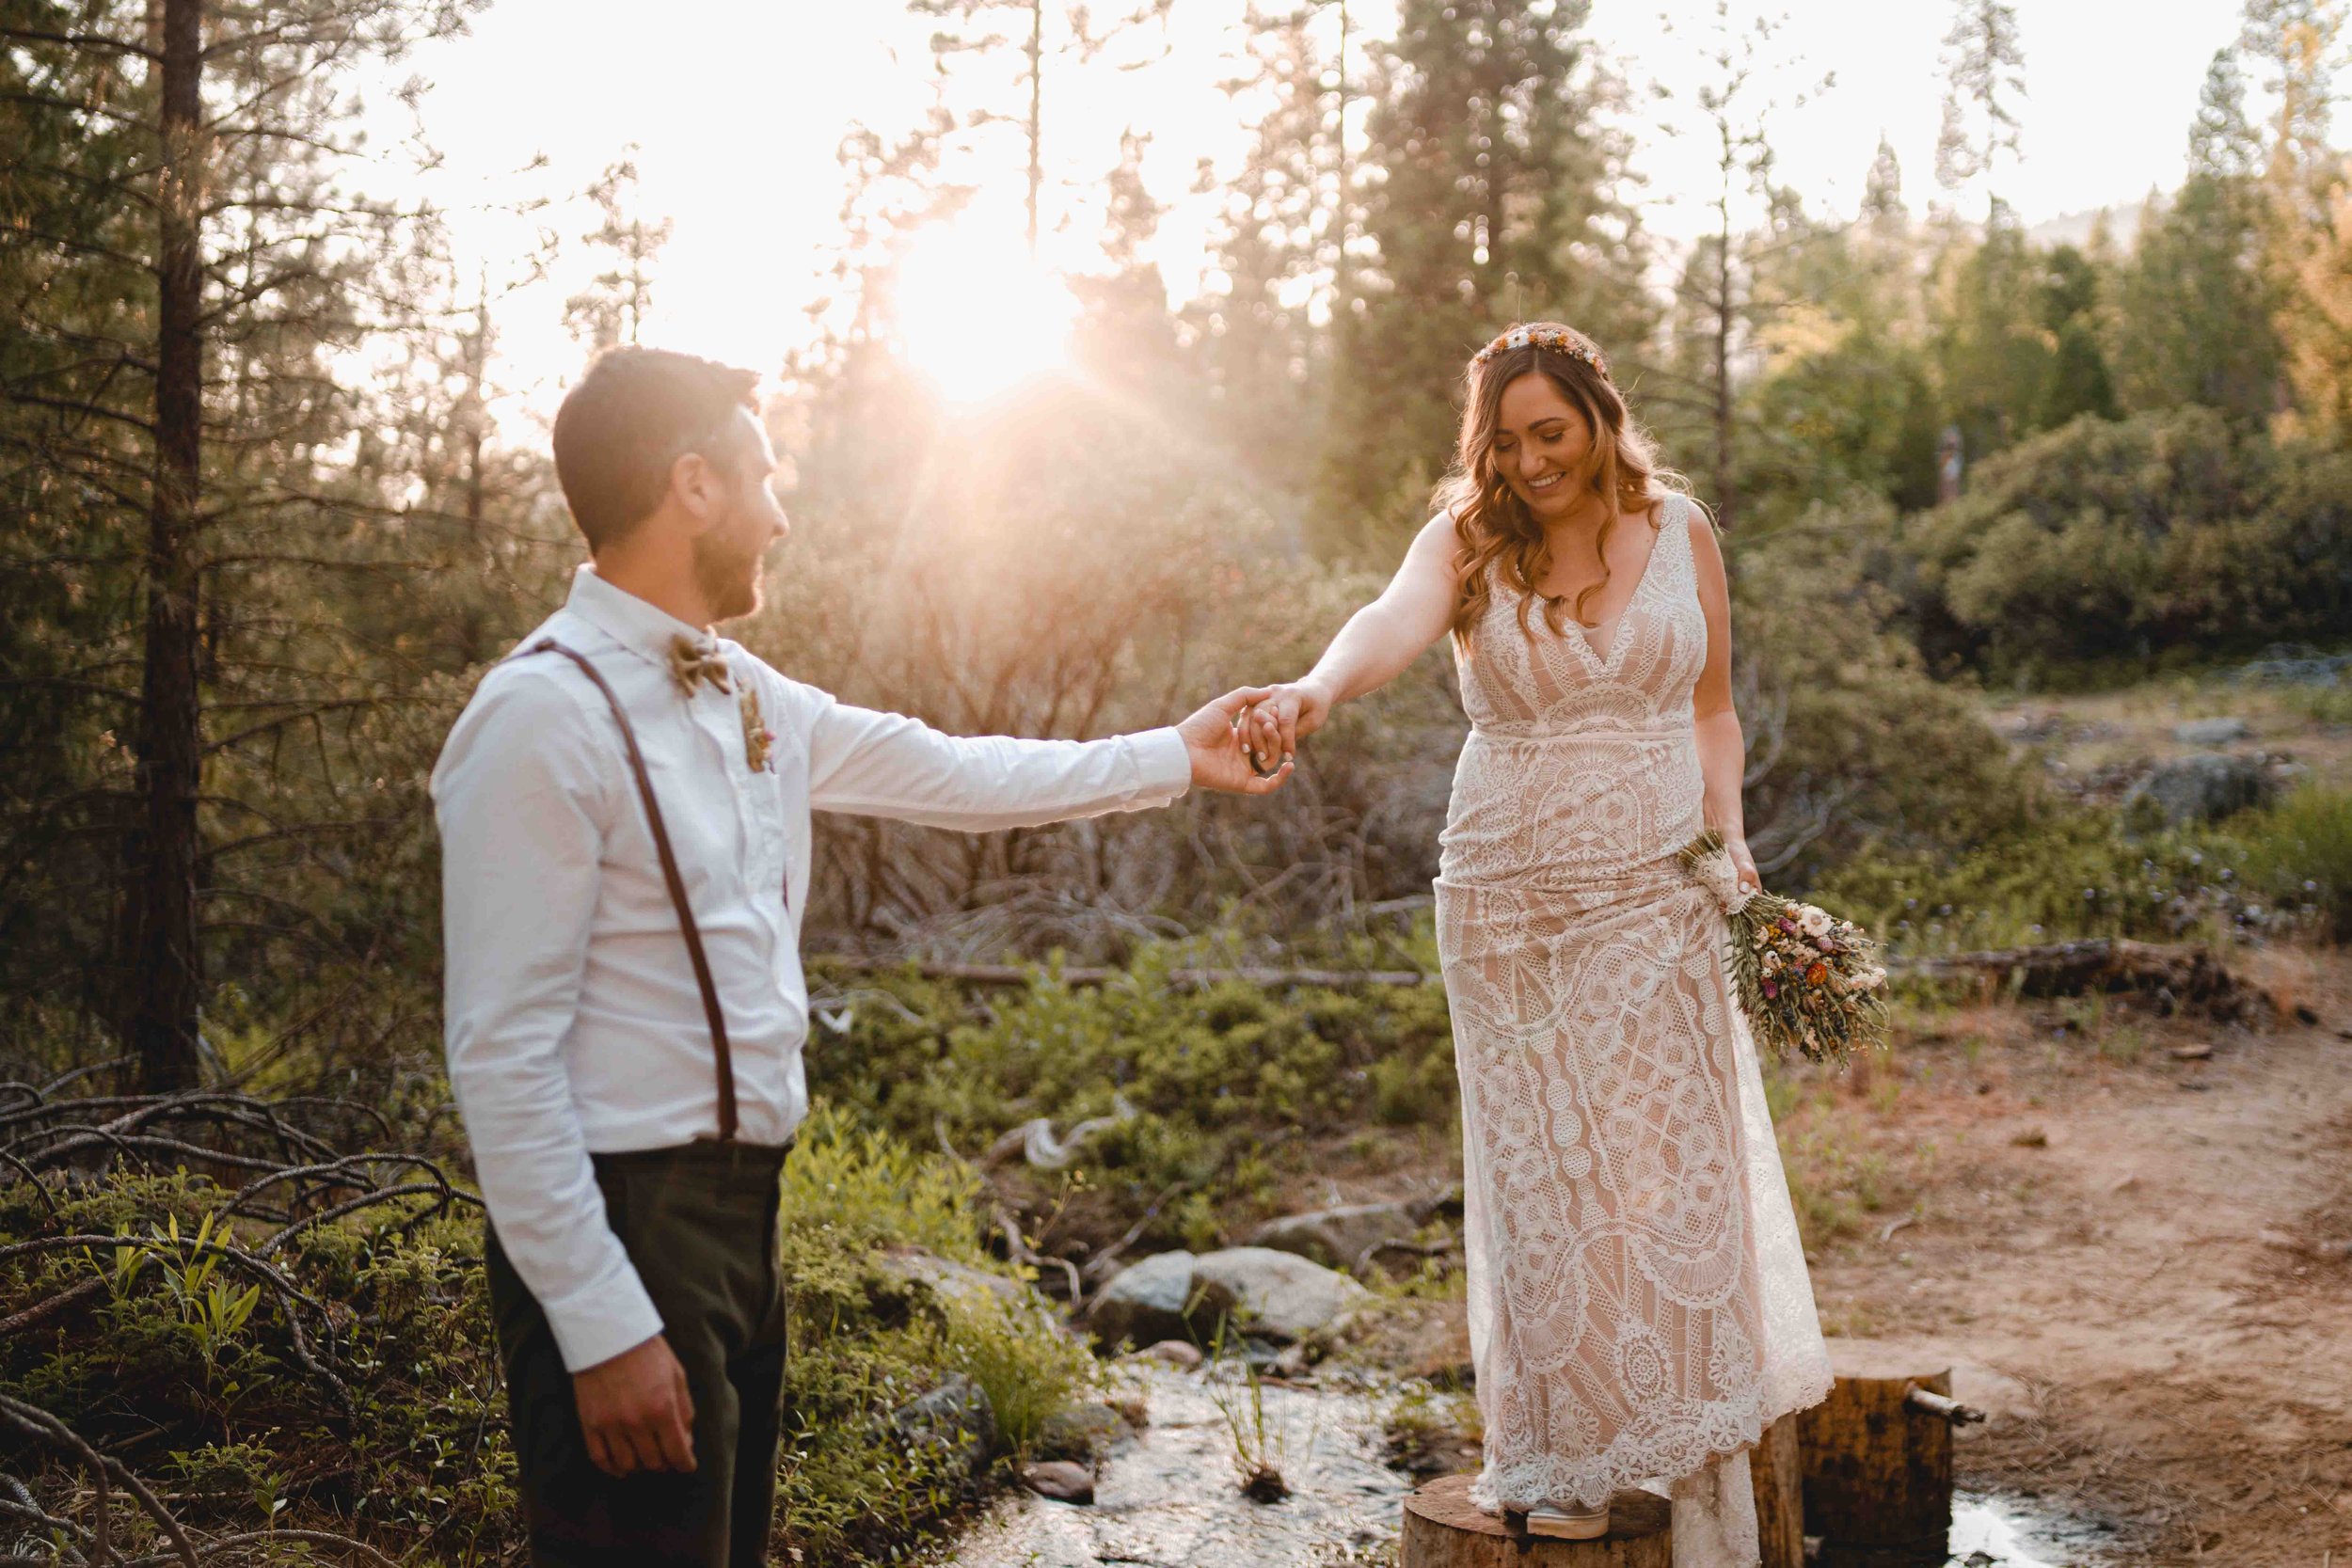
1541 445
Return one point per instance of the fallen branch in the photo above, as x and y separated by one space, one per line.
1034 1140
1182 979
39 1423
1941 1404
2172 976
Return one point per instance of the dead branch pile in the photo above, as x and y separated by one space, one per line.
120 1250
2171 977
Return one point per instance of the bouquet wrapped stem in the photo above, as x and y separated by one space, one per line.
1809 983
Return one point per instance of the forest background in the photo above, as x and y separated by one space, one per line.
270 502
264 531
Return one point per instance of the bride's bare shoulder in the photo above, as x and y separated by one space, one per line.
1437 549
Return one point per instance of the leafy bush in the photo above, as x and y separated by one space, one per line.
865 1341
1851 743
1201 1090
2300 852
2083 872
2117 542
382 1420
2068 873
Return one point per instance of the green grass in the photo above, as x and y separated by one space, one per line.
2081 872
2300 852
1211 1095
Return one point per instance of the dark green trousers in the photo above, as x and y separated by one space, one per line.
699 1222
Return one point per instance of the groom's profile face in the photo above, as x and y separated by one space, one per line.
730 555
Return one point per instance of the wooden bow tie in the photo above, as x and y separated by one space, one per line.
690 661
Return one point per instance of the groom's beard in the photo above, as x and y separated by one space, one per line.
727 570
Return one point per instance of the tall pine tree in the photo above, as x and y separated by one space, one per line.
2192 321
1493 196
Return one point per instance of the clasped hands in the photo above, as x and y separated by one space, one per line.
1246 741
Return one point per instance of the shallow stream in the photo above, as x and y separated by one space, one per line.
1173 1497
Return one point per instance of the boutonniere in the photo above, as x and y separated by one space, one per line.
758 739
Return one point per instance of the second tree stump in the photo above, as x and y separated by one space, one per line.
1778 1472
1878 1458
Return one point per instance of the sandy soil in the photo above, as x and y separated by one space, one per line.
2139 1263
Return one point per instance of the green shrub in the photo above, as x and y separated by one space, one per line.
2110 541
182 1370
2072 872
2300 852
2083 872
1203 1093
1854 744
875 1191
865 1341
1024 1361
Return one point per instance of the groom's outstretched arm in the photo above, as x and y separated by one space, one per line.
871 764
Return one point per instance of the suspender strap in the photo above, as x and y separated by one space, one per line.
676 885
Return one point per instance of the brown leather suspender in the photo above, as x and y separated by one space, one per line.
676 885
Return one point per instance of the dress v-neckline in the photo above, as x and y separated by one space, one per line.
1607 659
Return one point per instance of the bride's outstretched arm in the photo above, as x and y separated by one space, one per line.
1722 750
1374 646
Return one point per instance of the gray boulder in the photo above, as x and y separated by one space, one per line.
1154 1300
2209 732
1340 1238
2205 788
946 1279
1085 1432
1279 1295
956 1416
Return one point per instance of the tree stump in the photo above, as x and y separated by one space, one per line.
1443 1528
1878 1463
1777 1470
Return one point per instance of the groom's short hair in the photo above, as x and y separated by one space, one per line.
632 417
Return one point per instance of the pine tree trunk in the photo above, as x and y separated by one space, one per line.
162 960
1036 114
1725 320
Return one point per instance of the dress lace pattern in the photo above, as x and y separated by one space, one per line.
1639 1305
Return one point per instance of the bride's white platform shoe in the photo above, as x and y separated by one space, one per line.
1568 1524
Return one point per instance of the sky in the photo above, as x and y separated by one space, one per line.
736 109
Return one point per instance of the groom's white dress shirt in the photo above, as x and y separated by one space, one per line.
573 1021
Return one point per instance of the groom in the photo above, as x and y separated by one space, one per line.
623 809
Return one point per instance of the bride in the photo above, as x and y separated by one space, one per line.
1639 1307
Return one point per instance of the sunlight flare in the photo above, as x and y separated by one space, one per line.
977 315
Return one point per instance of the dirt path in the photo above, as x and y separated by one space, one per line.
2139 1264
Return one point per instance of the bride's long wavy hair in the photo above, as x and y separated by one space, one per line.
1499 536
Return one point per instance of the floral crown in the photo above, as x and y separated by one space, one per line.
1553 338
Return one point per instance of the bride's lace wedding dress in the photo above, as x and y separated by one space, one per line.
1639 1305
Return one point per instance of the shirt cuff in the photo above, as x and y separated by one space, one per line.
601 1320
1164 762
